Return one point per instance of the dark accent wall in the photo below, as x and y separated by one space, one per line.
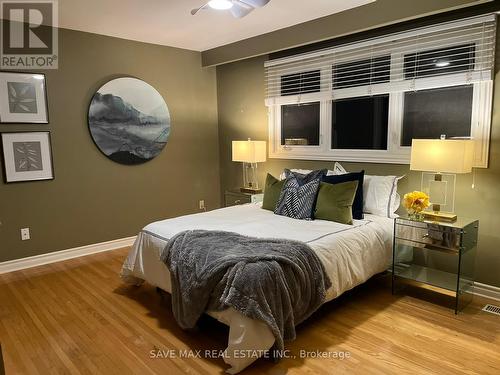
92 198
452 15
242 114
367 17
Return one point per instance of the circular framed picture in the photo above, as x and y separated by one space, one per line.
129 121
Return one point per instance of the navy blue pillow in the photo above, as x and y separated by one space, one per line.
357 205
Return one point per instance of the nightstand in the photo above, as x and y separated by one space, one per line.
438 254
234 197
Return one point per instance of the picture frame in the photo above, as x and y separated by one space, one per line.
27 156
23 98
143 135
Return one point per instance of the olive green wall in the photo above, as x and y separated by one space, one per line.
366 17
242 114
93 199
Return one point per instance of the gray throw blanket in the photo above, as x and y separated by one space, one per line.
279 282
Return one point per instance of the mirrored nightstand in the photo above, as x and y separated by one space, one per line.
438 254
234 197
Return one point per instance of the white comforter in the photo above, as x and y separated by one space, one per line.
351 254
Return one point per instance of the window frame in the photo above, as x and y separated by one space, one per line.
395 88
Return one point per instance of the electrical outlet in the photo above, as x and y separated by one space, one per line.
202 204
25 234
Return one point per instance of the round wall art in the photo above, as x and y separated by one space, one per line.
129 121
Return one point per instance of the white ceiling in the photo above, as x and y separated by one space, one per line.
169 22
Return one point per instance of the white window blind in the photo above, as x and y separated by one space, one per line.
461 51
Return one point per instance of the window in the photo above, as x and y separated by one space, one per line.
300 83
361 73
439 61
300 124
366 101
430 113
360 123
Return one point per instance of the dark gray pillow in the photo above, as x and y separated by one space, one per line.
305 178
298 195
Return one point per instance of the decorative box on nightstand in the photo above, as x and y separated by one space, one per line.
438 254
234 197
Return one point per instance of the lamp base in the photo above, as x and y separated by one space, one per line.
250 190
440 216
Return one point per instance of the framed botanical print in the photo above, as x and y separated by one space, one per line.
23 98
27 156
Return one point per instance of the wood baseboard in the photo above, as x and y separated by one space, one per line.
485 290
57 256
480 289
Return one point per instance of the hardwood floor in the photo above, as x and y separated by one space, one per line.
78 317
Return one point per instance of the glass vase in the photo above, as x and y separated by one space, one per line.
416 216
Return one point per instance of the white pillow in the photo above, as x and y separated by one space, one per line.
339 169
380 193
304 171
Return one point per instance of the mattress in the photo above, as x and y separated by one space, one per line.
351 254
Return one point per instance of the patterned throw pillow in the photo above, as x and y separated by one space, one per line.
305 178
298 195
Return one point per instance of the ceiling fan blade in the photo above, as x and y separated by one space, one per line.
255 3
194 11
240 9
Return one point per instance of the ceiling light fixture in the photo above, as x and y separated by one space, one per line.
220 4
442 63
237 8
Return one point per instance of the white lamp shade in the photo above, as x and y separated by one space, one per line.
442 155
249 151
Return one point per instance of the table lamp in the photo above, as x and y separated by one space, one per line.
441 156
249 153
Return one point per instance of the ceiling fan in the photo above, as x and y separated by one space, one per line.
238 8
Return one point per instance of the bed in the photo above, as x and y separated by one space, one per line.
351 254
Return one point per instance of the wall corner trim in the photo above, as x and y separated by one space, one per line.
57 256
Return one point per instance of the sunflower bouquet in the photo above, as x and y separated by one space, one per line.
415 202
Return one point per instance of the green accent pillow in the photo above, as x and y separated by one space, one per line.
272 192
334 202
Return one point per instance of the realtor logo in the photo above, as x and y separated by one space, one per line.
29 34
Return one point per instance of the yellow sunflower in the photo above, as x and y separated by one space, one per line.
416 201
